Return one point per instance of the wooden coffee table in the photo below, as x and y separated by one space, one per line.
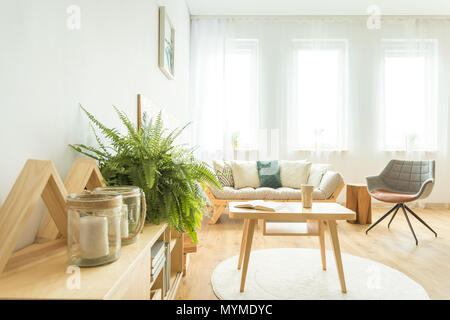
292 212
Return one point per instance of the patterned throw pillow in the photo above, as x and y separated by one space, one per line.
224 173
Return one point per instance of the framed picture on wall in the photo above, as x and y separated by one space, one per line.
166 44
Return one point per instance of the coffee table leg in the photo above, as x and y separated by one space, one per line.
248 249
244 236
337 253
322 245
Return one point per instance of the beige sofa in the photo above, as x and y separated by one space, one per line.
329 188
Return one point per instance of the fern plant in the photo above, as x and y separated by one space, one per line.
169 174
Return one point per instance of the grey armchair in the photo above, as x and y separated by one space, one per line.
400 182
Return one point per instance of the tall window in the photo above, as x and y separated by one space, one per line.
241 91
318 109
409 94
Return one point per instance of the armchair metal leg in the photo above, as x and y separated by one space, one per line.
418 218
409 223
382 218
393 216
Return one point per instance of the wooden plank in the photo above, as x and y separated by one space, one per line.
19 204
54 196
135 283
322 245
358 199
337 253
351 201
244 238
37 252
364 206
293 211
84 173
217 213
247 252
310 228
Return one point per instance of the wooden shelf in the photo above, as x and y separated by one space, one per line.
46 278
41 270
159 274
291 228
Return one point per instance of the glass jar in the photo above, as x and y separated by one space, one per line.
133 210
94 228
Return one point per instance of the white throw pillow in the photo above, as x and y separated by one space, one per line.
245 174
330 181
294 173
316 173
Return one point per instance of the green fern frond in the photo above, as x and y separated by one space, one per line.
169 174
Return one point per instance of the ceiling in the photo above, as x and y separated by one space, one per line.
316 7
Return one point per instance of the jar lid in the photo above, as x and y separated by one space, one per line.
125 191
91 201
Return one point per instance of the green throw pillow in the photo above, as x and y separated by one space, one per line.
269 174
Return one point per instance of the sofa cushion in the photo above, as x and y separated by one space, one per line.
316 173
264 194
245 174
269 174
294 173
330 181
224 172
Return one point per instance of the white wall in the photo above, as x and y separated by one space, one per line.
46 70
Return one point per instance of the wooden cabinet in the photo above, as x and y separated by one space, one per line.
41 271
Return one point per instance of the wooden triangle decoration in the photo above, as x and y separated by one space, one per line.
37 179
83 174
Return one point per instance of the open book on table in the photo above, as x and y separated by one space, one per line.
261 205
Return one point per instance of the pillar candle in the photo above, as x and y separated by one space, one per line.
93 237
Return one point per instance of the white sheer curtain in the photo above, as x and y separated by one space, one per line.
409 94
318 112
318 86
207 92
224 89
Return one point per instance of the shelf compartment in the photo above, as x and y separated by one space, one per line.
309 228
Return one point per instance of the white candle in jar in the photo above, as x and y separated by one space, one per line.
93 237
124 222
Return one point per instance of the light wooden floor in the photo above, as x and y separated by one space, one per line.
428 263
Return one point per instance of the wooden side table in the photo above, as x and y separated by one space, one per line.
359 200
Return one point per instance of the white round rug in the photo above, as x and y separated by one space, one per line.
296 273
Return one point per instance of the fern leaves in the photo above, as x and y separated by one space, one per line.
148 158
